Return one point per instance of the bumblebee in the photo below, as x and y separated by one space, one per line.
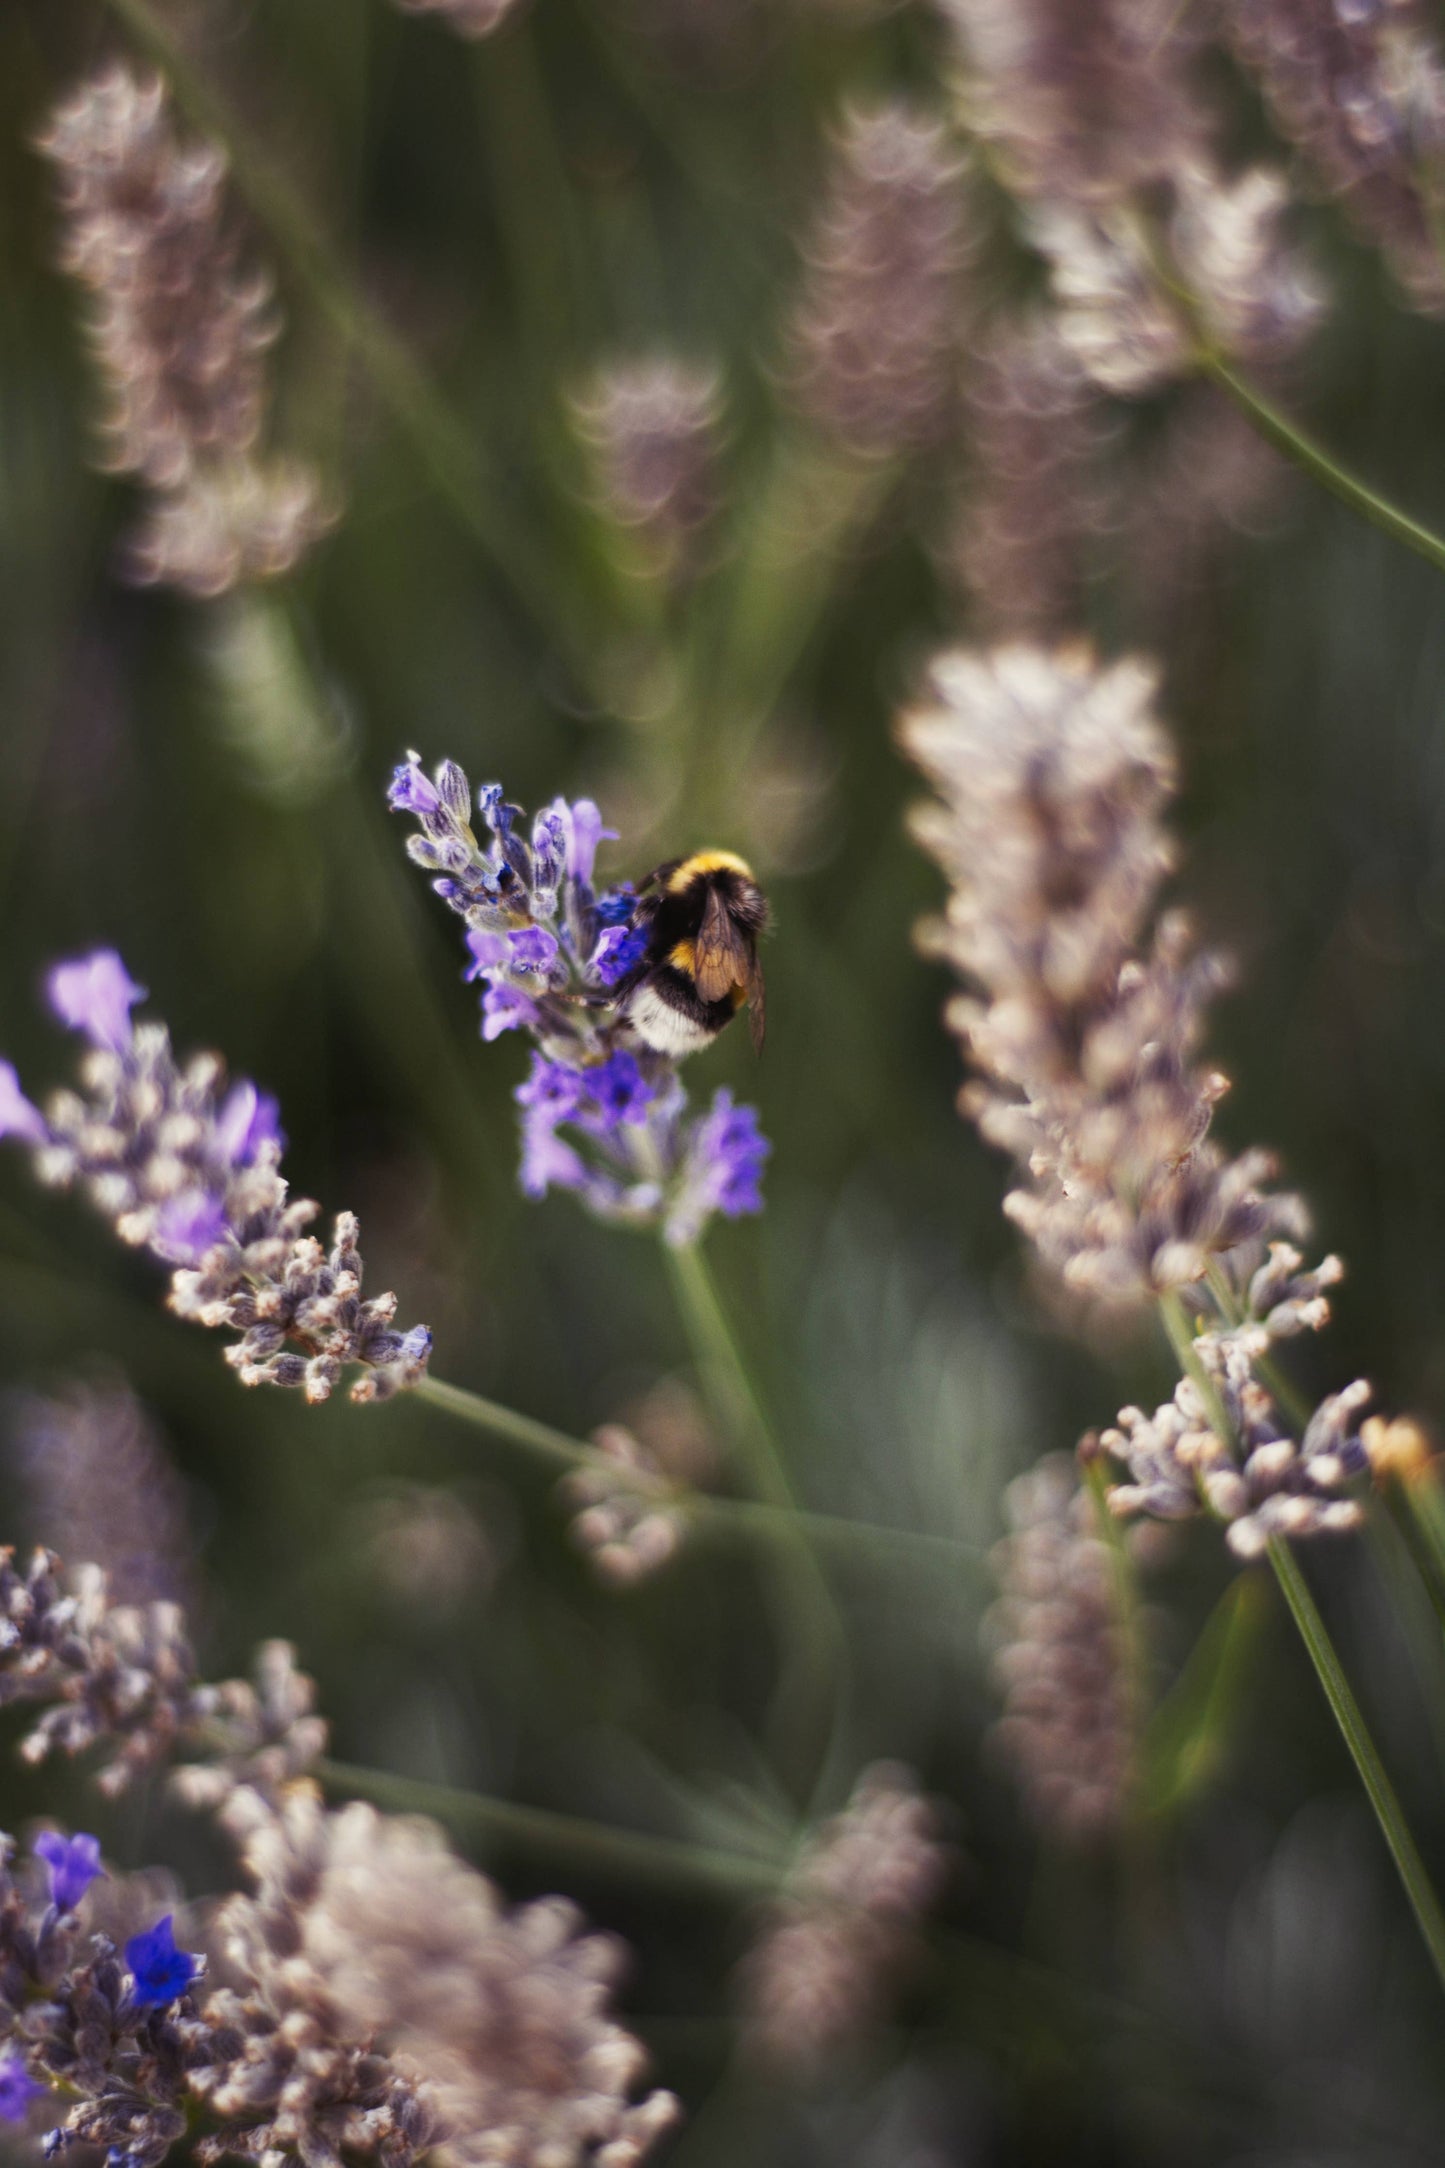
702 917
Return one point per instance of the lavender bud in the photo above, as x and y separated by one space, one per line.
651 428
469 18
876 330
1059 1657
179 332
1361 90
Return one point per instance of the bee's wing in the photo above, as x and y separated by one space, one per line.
721 958
757 1006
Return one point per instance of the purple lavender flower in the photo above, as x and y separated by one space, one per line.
723 1171
17 2090
162 1972
72 1863
18 1118
548 954
192 1174
96 994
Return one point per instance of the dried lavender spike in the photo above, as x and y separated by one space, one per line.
1255 300
193 1176
1058 1657
102 1486
1081 103
1263 1482
1053 774
368 1935
651 427
833 1947
1361 90
876 328
629 1524
122 1677
179 330
1034 504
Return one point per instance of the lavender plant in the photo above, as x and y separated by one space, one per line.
1083 1018
550 953
179 330
191 1173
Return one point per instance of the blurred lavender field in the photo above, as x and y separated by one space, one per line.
628 402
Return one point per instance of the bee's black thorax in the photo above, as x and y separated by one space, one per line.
711 902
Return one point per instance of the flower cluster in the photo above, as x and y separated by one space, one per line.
876 328
1053 773
191 1173
100 1482
373 1996
116 2032
1222 1444
626 1517
431 2016
651 427
1153 247
551 953
122 1677
1360 87
1084 1025
180 328
836 1943
1035 506
1057 1656
1250 295
1077 103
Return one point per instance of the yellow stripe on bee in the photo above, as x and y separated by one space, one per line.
683 956
701 864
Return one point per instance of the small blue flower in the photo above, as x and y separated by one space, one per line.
17 2090
96 994
18 1118
615 954
617 1091
72 1864
551 1088
162 1972
410 790
615 906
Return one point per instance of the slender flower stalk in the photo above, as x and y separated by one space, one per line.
553 955
179 330
192 1173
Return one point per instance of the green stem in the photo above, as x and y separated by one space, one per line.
1124 1582
517 1429
1287 437
811 1694
588 1845
725 1376
747 1518
1381 1793
1181 1339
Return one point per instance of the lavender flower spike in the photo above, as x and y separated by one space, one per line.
193 1175
548 951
